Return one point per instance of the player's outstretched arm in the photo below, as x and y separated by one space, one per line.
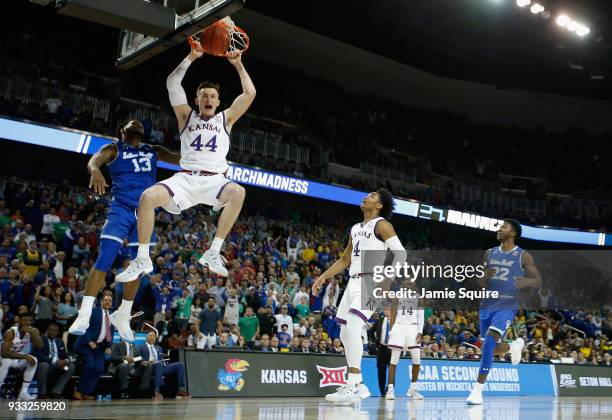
176 93
336 268
532 275
166 155
244 100
103 156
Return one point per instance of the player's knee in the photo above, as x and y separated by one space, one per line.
395 356
495 335
154 196
415 354
108 252
235 193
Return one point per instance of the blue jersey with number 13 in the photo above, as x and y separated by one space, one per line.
133 171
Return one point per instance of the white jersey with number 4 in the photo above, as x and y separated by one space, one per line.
363 237
205 143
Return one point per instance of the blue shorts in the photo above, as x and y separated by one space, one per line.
498 320
121 224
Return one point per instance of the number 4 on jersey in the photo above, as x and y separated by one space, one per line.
211 144
356 250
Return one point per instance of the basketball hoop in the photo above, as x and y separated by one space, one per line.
220 39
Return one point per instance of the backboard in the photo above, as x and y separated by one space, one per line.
191 16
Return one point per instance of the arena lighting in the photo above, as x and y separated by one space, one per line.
572 26
563 20
536 8
523 3
582 30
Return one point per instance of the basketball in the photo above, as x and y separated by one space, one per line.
215 39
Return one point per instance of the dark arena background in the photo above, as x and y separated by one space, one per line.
467 112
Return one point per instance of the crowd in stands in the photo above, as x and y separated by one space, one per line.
49 240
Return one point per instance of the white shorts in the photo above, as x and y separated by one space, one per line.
403 336
189 190
351 305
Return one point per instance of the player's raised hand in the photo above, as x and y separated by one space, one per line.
97 182
196 50
234 57
316 286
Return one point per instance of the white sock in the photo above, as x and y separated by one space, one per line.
413 385
354 378
126 306
478 387
390 387
87 305
24 387
216 244
143 251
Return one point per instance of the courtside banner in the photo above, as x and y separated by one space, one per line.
588 381
262 374
455 378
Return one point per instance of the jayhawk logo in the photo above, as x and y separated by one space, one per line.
230 378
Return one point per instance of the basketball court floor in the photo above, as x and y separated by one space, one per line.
496 408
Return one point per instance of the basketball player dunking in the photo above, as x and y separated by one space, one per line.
205 142
375 233
132 166
509 268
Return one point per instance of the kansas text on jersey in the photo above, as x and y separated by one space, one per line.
364 238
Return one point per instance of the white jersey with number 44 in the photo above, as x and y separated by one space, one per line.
363 237
205 143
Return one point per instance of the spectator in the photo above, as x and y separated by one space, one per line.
53 364
49 219
196 308
275 345
183 309
249 327
196 339
80 251
267 321
283 318
32 259
58 265
305 345
210 322
224 340
337 347
302 310
232 307
153 364
44 306
123 365
284 338
163 300
44 274
66 310
92 346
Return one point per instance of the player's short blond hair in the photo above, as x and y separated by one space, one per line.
209 85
